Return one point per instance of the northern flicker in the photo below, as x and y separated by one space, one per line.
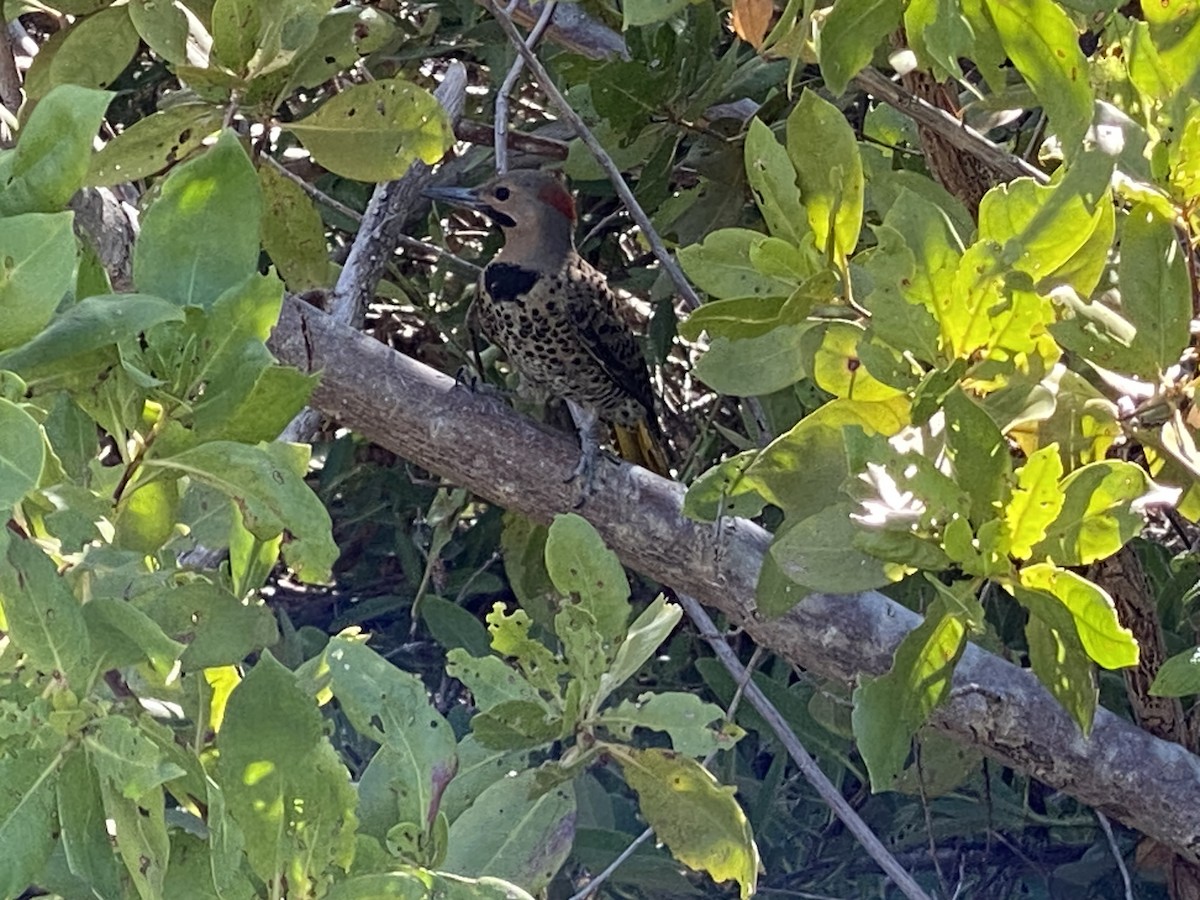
556 319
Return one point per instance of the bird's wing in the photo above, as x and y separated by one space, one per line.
607 339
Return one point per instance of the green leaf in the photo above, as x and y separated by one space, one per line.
95 50
53 150
939 33
127 759
581 565
1179 676
1103 636
754 366
154 143
344 35
293 233
1057 656
392 707
22 454
1042 42
647 12
27 826
490 680
698 819
1043 227
721 266
818 552
511 834
685 717
1097 516
647 633
723 491
216 628
200 236
146 516
1156 295
896 320
163 26
889 709
523 545
517 725
135 626
979 453
81 816
479 767
43 617
284 784
836 366
91 324
510 637
375 131
936 247
772 179
1036 501
410 883
850 35
36 266
271 496
230 353
822 147
262 405
452 626
141 834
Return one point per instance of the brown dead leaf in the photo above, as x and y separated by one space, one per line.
751 19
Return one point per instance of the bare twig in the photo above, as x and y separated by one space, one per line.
478 133
1106 826
500 127
960 135
807 765
594 884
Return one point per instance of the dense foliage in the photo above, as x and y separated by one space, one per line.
968 392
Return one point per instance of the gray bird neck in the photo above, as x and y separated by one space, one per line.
542 247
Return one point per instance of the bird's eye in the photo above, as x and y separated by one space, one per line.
502 194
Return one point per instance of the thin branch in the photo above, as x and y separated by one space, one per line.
960 135
610 168
594 884
807 765
1106 826
500 127
539 145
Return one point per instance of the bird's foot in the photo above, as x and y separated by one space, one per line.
468 379
584 473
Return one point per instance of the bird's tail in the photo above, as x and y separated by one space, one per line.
639 446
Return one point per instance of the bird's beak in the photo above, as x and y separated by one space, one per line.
456 196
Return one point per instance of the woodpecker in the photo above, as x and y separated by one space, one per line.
556 320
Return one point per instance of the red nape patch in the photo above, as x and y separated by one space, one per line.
556 195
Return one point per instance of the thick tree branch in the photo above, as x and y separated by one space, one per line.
476 441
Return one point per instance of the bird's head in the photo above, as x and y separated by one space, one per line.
522 201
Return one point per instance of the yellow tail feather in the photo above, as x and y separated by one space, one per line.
638 446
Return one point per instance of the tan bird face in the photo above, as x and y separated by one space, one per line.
525 200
